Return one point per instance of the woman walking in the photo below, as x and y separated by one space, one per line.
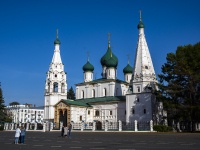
17 134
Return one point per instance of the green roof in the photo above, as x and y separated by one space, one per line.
105 99
74 102
87 102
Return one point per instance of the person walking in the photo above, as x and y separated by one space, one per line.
69 130
23 132
17 135
62 131
65 131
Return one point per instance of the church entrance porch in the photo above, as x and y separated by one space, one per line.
63 117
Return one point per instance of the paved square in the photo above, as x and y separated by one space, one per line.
102 141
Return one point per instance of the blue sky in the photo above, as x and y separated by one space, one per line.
28 30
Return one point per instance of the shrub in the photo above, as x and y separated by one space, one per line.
1 127
162 128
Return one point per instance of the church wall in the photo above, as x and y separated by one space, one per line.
121 111
112 89
78 114
139 107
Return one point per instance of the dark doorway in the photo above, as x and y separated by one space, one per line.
65 118
99 125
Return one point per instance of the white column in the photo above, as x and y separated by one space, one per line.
82 125
94 126
106 126
51 126
44 127
151 125
136 128
35 128
120 125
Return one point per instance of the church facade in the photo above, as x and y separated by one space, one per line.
107 99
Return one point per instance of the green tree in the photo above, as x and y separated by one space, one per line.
2 106
179 86
3 116
14 103
71 94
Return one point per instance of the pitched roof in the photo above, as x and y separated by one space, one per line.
88 102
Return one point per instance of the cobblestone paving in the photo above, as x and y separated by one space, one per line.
102 141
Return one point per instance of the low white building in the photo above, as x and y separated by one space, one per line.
25 114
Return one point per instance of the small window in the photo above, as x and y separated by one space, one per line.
55 75
93 93
111 112
144 111
88 112
133 111
138 89
146 67
55 87
80 118
82 94
104 92
97 113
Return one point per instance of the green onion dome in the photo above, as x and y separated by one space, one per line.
88 67
111 62
57 41
128 69
109 59
140 25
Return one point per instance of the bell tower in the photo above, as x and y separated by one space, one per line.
56 83
140 101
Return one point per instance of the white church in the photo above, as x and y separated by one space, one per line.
107 99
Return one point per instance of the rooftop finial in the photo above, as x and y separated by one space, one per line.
128 56
88 55
56 33
109 39
140 15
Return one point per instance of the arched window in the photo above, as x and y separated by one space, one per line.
96 113
82 94
93 93
55 87
104 92
110 112
48 90
63 88
145 111
138 89
133 111
80 118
